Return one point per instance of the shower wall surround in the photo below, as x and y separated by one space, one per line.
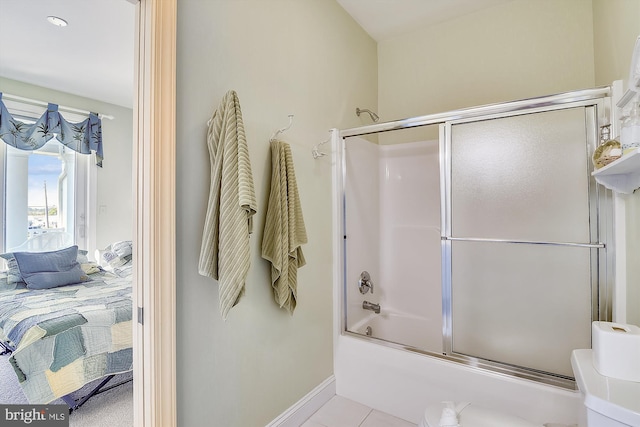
392 194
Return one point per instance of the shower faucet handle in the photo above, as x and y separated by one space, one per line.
365 284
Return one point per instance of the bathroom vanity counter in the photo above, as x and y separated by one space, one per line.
612 398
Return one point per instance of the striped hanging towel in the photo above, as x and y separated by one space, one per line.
284 230
225 253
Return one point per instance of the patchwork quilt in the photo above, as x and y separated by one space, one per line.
68 336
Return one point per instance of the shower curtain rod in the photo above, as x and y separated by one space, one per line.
437 118
45 104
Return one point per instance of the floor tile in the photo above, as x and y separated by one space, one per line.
310 423
380 419
340 412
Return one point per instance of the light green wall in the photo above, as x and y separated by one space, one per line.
616 26
516 50
633 258
115 219
306 58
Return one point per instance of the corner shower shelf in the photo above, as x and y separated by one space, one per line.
622 175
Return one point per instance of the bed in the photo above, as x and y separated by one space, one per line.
64 337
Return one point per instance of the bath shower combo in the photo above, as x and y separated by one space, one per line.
468 236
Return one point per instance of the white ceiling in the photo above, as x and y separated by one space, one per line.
384 19
93 56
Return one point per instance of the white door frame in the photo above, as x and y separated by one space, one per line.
154 387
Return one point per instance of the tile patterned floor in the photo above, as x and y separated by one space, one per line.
342 412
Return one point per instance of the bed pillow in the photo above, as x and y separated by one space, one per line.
44 270
13 272
116 258
82 257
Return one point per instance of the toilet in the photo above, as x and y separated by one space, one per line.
607 402
471 415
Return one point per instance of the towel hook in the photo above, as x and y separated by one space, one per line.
279 131
316 149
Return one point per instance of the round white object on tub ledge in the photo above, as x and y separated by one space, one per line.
470 415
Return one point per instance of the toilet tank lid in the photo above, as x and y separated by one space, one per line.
476 416
611 397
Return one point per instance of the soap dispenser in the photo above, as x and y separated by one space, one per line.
449 417
630 130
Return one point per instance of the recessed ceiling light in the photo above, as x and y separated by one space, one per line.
58 22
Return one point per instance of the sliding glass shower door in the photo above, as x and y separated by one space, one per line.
520 237
489 247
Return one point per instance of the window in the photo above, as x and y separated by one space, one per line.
45 191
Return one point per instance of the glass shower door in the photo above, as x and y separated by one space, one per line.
520 238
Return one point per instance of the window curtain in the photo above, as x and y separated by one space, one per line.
84 137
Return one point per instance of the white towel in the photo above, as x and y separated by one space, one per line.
284 230
224 254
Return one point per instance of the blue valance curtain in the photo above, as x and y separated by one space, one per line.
84 137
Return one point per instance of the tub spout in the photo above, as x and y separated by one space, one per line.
371 306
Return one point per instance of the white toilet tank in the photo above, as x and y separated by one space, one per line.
470 415
609 402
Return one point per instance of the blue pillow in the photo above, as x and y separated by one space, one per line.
13 272
44 270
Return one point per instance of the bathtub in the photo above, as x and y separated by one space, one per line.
403 383
399 369
400 328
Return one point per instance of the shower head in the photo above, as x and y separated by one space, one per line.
373 115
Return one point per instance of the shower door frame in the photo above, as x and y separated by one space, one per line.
600 206
598 260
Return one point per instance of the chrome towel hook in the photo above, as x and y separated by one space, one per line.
279 131
316 149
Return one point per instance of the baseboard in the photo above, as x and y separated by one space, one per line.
298 413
